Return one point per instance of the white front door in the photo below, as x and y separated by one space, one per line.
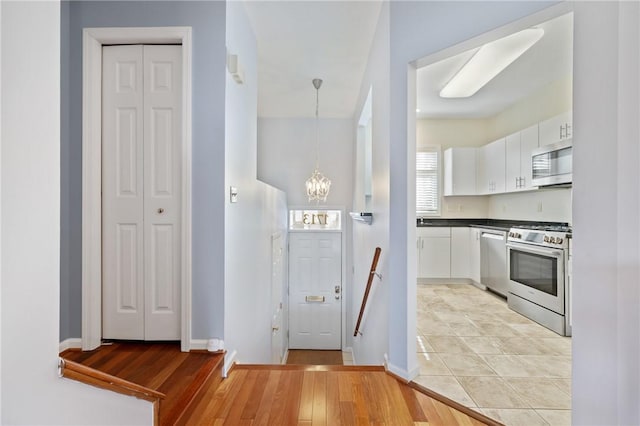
141 192
315 290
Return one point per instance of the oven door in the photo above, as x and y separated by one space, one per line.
537 274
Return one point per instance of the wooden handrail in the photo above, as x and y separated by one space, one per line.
88 375
372 272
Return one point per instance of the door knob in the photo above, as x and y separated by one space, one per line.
160 210
274 329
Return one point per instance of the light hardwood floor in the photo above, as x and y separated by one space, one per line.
320 395
157 366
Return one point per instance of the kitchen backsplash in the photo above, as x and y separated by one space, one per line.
547 205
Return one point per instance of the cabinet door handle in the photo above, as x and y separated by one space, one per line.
568 127
561 131
422 243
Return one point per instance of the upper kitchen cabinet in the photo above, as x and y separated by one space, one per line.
556 129
518 159
460 171
490 168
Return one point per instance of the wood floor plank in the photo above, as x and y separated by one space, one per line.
306 397
347 413
319 416
345 387
359 402
333 398
228 395
251 407
242 397
370 394
264 408
396 410
413 405
292 408
276 417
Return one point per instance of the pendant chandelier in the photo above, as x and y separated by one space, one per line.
318 185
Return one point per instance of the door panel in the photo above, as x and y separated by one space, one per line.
314 308
162 184
122 198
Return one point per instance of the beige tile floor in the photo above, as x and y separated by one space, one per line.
473 349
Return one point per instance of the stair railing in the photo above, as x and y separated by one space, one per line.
372 272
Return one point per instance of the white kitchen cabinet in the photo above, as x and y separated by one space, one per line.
491 168
556 129
434 252
460 171
518 147
460 252
474 254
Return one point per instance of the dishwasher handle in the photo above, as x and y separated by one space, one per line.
493 236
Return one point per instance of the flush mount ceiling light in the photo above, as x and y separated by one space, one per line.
317 185
489 61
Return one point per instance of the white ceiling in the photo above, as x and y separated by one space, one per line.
302 40
548 60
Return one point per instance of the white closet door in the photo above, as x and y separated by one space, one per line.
141 192
162 190
122 193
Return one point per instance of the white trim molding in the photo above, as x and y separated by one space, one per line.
198 344
93 39
229 360
400 372
72 343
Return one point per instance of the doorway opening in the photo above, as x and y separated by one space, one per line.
469 338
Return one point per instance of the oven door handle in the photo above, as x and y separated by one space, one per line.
534 250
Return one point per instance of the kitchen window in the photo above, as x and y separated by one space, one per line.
428 182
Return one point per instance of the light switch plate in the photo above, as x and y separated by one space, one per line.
233 194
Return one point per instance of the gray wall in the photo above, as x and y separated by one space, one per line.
207 18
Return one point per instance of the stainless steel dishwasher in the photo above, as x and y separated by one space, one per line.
493 260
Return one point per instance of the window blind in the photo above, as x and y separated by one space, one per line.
427 185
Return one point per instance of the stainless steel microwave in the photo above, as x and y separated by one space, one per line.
552 164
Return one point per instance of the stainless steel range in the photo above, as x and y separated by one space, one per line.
539 285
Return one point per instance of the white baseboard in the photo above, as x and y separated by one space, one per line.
198 344
73 343
349 349
229 360
401 372
285 357
427 281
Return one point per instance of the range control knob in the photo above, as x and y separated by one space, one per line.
559 240
552 240
546 239
518 235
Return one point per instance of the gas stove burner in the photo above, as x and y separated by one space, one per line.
550 228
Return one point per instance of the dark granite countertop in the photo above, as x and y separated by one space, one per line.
497 224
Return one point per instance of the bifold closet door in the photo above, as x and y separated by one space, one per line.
141 192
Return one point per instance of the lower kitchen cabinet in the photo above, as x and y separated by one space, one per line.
460 253
449 253
434 252
474 254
